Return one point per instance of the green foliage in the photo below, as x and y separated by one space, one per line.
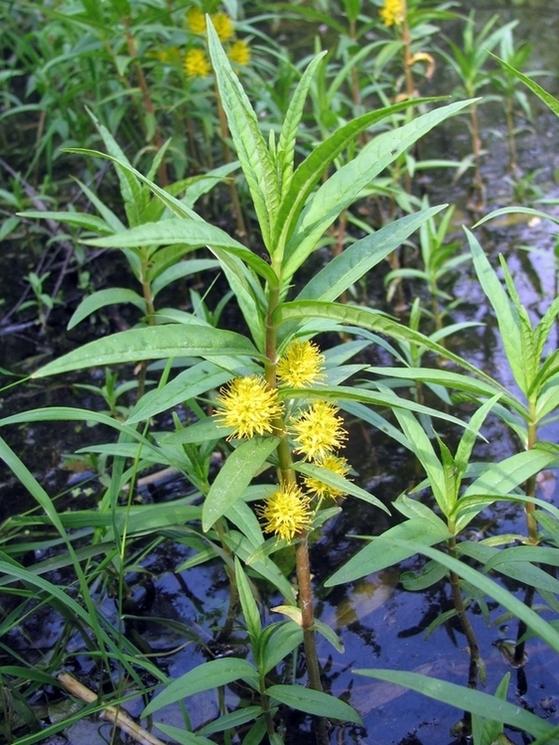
307 160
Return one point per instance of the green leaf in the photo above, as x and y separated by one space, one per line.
250 610
237 473
77 219
151 343
507 317
191 233
349 266
517 210
210 675
367 318
488 587
182 736
292 119
231 721
344 186
329 634
391 547
338 482
309 173
190 383
180 269
465 699
202 431
252 151
550 101
503 477
285 637
102 298
314 702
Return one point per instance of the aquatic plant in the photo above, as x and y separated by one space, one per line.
261 419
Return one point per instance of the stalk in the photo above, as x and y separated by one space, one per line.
475 658
146 98
532 530
287 476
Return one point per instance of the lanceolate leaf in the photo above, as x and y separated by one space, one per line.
252 151
507 317
367 318
102 298
288 135
191 233
309 173
466 699
151 343
550 101
391 547
210 675
490 588
344 186
356 260
237 473
313 702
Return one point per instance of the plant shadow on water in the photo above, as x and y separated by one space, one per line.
177 616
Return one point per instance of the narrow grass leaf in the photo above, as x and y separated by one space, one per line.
462 698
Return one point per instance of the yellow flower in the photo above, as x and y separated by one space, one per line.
336 465
393 12
301 365
318 431
196 21
239 52
223 26
287 512
249 406
196 64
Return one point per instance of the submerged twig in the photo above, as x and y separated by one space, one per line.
111 713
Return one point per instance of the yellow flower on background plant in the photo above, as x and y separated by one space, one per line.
239 52
301 365
336 465
287 512
196 64
318 431
223 26
248 405
393 12
196 21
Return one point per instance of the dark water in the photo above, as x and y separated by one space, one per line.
381 624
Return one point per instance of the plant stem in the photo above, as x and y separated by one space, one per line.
286 476
146 97
469 633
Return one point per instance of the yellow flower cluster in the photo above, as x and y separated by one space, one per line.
318 431
238 52
196 64
287 512
393 12
301 365
249 407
